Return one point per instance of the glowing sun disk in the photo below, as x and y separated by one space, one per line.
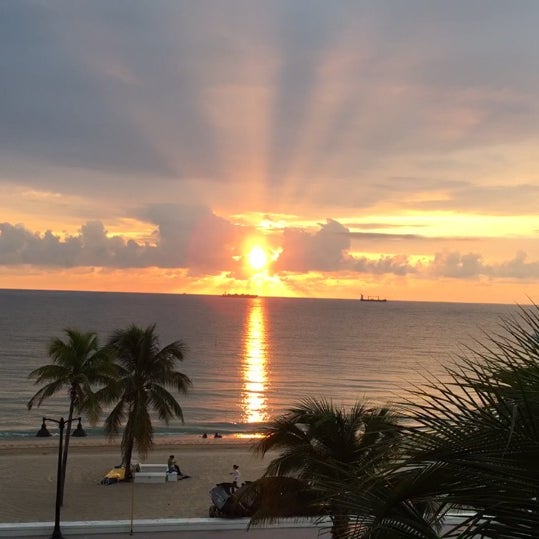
257 258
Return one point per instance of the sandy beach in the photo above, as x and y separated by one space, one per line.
28 472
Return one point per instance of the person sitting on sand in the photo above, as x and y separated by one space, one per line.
172 466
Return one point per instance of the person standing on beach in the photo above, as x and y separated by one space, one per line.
236 476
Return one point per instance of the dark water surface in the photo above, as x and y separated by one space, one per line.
249 358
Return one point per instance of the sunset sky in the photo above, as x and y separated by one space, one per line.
309 148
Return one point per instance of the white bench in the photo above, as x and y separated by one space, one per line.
150 477
154 473
157 468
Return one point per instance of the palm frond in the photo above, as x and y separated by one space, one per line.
46 392
115 418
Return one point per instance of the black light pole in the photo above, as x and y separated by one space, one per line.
57 533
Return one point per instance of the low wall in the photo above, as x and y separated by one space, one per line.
183 528
196 528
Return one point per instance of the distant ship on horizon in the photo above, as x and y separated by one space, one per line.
228 295
372 298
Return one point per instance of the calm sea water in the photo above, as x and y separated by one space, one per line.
249 359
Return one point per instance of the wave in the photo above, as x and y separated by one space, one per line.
210 429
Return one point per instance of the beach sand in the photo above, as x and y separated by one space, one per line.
28 479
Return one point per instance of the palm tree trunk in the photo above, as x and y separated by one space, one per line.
66 446
127 460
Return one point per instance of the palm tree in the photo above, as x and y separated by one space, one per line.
473 443
483 430
398 501
79 366
326 447
145 371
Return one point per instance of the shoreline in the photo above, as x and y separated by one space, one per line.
37 443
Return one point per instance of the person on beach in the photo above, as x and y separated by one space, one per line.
172 466
236 477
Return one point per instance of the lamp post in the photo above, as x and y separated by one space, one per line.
57 533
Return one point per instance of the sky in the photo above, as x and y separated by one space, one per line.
301 148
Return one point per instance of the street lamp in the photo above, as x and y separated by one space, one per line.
79 432
57 533
43 432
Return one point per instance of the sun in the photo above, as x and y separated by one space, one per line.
257 258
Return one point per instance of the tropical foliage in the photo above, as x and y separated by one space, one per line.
324 447
145 373
78 366
472 447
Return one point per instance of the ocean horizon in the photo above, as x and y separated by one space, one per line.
249 359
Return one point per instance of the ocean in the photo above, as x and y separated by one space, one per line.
249 358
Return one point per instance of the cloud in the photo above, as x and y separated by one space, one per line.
382 236
195 239
519 268
92 247
319 251
134 91
503 199
54 107
457 265
184 237
396 265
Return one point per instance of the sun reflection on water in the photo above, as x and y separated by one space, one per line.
254 371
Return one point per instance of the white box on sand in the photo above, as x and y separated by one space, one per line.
153 468
150 477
